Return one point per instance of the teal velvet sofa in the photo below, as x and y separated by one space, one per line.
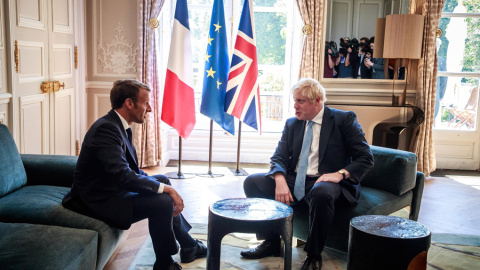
391 185
37 232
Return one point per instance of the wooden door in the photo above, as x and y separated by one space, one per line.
41 36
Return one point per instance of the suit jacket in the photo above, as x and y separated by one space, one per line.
107 175
378 67
342 146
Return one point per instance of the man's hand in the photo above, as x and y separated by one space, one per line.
330 177
368 63
282 193
177 199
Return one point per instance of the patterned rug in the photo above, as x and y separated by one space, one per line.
448 251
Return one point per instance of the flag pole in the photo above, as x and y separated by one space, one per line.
238 171
209 173
179 174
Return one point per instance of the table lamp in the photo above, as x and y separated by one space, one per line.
403 36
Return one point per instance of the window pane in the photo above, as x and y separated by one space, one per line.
460 44
199 2
456 103
469 6
271 30
269 3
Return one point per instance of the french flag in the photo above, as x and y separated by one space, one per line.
178 110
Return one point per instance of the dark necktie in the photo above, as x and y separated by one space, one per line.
129 135
299 190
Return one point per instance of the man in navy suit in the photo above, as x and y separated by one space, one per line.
338 159
109 185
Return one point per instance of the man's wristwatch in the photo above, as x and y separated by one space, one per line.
342 172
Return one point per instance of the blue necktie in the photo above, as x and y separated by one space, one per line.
129 135
299 190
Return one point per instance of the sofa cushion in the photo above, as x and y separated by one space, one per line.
43 205
31 246
394 170
12 172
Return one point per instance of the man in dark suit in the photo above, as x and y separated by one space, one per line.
109 185
338 159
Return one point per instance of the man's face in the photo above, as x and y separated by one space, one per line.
371 45
304 108
139 111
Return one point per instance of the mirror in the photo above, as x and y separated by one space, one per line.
347 23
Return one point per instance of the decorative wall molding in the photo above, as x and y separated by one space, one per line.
3 118
63 53
118 55
34 49
34 110
99 84
64 28
29 22
96 104
5 98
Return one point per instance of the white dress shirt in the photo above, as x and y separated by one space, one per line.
312 169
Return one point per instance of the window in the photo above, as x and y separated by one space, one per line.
458 79
274 26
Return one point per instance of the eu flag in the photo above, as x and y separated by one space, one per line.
216 71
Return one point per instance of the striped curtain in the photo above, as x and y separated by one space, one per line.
147 140
311 12
427 83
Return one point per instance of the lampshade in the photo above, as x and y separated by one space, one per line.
403 36
379 37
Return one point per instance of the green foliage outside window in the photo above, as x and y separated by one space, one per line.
471 59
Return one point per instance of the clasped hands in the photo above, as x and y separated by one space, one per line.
283 194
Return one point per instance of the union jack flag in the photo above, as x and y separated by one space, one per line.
242 98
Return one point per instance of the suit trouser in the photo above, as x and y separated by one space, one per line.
165 229
321 199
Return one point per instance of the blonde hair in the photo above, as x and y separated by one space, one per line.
311 89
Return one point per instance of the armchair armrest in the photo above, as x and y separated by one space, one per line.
54 170
417 196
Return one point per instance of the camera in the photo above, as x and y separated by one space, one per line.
332 45
346 43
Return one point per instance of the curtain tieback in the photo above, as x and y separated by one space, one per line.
307 29
154 23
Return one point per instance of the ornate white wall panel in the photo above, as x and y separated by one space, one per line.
101 105
63 16
34 124
62 61
31 13
64 117
113 39
32 61
456 155
341 19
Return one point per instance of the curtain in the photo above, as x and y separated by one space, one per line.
427 83
147 138
311 12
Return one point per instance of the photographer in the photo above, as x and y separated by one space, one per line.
377 64
357 61
366 65
331 54
343 63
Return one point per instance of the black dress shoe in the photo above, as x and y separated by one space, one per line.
188 255
265 249
311 264
173 266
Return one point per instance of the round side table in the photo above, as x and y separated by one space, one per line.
247 215
387 242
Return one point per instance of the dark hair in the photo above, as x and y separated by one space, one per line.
372 40
123 89
365 39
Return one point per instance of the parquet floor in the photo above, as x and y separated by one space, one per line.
450 202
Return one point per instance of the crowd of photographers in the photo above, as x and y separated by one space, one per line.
354 59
